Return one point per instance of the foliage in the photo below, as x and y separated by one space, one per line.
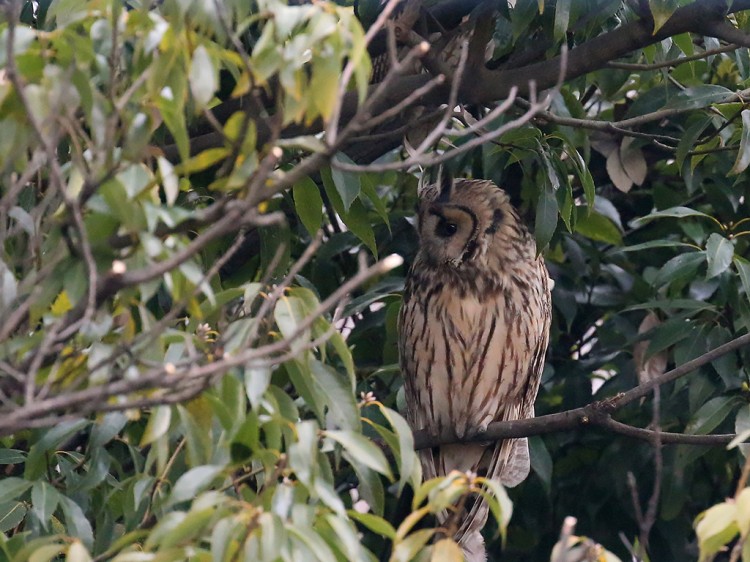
198 347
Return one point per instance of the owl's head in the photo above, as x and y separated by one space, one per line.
464 222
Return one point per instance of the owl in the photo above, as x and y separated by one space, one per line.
473 332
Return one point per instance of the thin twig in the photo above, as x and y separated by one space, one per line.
673 62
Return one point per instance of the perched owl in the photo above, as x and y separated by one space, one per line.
473 332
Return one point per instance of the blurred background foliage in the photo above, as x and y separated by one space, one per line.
219 412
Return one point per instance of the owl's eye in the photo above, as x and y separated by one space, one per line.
446 229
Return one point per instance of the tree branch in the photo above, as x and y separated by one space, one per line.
491 85
597 414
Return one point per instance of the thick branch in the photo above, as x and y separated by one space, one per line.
492 85
598 413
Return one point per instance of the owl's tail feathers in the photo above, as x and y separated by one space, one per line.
473 548
511 465
517 465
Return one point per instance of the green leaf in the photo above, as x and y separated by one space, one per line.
598 227
711 414
302 453
195 421
190 528
667 334
11 515
193 481
656 244
347 534
546 218
562 17
342 408
541 461
358 221
446 550
405 455
308 204
46 553
742 430
743 154
672 212
689 138
661 11
308 387
203 76
44 499
698 97
374 523
370 191
449 489
715 527
12 487
174 119
289 312
76 522
362 450
743 511
719 253
347 183
743 269
502 507
313 541
339 344
43 450
78 553
679 268
106 428
12 456
257 380
169 180
158 424
324 85
407 549
370 485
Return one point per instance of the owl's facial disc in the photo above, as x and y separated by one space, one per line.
445 228
449 234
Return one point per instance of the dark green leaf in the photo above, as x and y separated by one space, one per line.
673 212
598 227
44 499
12 487
719 253
42 450
347 183
341 405
12 456
374 523
698 97
362 450
309 204
546 218
743 269
743 154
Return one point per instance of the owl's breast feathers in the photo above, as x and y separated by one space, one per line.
472 347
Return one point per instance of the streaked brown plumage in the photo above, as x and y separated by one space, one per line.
474 327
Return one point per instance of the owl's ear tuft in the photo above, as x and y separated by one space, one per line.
446 185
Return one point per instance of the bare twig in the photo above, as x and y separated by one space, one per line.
653 502
181 384
673 62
